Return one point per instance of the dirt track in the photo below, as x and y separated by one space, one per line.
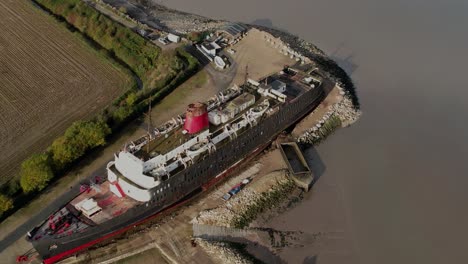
48 79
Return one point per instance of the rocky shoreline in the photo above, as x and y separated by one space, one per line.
341 114
223 252
150 14
240 210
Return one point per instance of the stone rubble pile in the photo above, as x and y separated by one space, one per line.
222 252
182 22
188 24
118 12
294 43
284 48
344 110
166 19
223 215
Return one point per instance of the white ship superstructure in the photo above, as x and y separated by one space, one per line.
140 170
138 178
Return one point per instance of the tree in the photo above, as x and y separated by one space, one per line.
78 138
121 113
5 203
36 173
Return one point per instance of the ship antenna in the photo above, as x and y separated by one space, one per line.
149 124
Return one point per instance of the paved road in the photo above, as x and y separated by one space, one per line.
221 78
21 231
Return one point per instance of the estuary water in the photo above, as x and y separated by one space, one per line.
394 187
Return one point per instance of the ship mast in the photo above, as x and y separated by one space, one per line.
149 124
246 73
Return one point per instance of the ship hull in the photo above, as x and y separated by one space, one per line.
204 173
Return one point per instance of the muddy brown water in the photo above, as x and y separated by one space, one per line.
393 187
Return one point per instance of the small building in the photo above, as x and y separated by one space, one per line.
219 62
210 48
241 103
173 38
88 207
233 108
278 86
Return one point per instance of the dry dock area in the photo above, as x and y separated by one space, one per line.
297 164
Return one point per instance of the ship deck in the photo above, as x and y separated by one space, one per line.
71 219
111 205
175 138
163 144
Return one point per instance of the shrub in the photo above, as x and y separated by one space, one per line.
121 114
35 173
12 187
5 203
328 128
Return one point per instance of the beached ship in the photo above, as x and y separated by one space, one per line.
188 153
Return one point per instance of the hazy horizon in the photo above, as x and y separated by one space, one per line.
400 170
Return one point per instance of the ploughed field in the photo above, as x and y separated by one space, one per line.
48 79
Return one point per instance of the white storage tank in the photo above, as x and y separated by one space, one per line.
214 117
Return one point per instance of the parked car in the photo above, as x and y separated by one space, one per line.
236 189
